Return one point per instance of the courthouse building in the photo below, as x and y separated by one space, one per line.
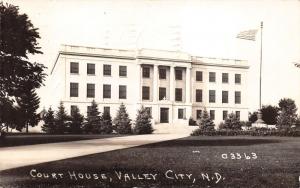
173 85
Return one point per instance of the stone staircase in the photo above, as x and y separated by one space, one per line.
166 128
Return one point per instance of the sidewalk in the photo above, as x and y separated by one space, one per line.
13 157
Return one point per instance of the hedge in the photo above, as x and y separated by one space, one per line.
251 132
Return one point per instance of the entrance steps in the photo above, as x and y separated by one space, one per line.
167 128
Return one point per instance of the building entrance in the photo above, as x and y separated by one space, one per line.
164 115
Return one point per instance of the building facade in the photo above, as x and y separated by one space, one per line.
173 85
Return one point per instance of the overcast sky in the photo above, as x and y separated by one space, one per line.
203 28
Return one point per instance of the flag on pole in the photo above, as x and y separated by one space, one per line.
247 35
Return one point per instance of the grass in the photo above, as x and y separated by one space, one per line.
30 139
277 165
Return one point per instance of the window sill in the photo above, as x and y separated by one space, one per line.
91 74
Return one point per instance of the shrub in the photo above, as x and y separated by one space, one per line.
49 122
94 120
61 120
205 122
245 123
251 132
192 122
143 122
107 123
287 114
232 122
122 123
75 126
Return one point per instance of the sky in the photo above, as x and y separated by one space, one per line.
206 28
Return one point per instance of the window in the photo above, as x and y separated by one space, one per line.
107 70
224 77
225 114
178 94
199 76
122 71
238 114
181 113
90 90
198 114
73 109
106 91
146 93
122 92
212 114
146 72
237 97
162 93
224 96
162 73
74 68
212 96
237 78
178 74
212 77
91 68
106 109
149 109
73 89
198 95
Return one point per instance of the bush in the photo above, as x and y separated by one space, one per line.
94 121
205 122
143 122
232 123
122 123
75 125
2 135
61 120
245 123
107 123
251 132
192 122
49 122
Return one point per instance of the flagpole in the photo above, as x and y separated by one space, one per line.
259 114
260 70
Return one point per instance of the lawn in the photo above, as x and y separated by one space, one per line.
188 162
30 139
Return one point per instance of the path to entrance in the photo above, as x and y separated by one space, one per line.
13 157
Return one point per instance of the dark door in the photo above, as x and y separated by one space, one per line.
164 115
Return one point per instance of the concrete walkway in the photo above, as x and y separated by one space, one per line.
13 157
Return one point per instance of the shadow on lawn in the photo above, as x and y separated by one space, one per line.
209 142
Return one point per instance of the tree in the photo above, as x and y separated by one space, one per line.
205 122
143 123
28 104
93 120
76 121
107 123
232 123
287 113
18 38
49 122
122 123
61 119
253 117
269 114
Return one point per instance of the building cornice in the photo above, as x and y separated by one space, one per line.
145 54
221 65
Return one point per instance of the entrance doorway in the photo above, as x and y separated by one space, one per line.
164 115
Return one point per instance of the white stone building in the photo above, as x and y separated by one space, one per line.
174 85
